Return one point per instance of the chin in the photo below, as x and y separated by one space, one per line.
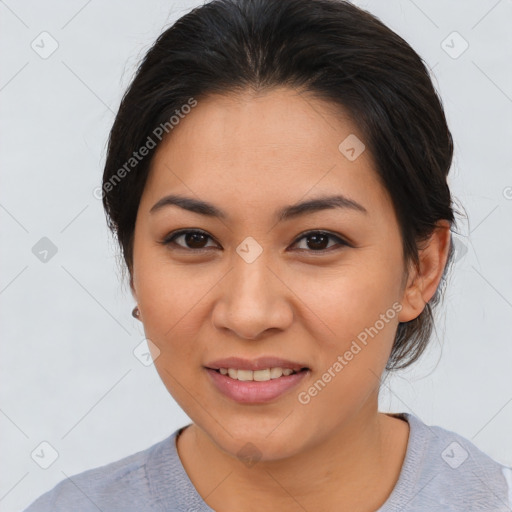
257 442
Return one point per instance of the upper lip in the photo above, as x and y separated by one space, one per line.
261 363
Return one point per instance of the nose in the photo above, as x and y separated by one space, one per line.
253 300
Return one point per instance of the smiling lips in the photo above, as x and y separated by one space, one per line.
256 375
256 381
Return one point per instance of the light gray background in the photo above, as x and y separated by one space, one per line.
69 375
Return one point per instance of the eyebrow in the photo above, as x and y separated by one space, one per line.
288 212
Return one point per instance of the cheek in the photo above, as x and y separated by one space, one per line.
173 305
352 314
353 349
350 298
167 295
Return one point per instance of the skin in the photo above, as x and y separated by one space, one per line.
250 155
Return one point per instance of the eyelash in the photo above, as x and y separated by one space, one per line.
170 239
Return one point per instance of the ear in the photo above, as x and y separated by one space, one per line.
132 287
423 281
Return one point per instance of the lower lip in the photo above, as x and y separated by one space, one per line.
253 392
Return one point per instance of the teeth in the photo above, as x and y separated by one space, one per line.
257 375
261 375
244 375
275 373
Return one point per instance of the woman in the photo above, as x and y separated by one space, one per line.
276 178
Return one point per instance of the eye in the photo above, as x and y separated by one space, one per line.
194 239
318 241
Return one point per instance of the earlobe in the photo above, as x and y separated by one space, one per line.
424 281
412 300
135 311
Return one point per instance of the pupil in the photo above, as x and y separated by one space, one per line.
316 244
191 238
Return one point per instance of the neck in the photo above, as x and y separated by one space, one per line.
358 465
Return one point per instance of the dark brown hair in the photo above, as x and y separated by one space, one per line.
330 49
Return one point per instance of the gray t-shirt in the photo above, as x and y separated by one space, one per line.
442 471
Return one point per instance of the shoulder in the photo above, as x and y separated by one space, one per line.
451 474
121 485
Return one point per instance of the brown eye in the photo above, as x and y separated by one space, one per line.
192 239
317 241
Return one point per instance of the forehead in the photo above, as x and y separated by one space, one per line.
278 146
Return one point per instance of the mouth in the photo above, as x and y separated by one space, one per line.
263 375
258 381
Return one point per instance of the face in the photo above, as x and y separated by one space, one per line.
317 287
